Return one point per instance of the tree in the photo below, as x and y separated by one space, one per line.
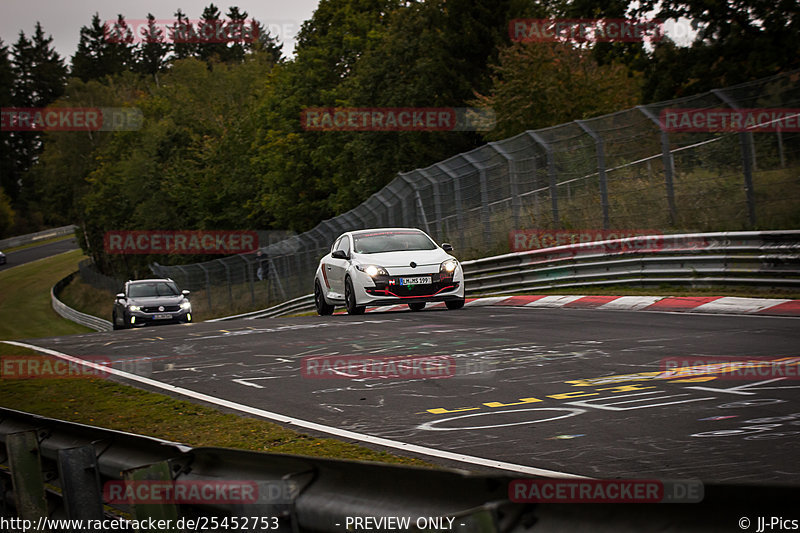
536 85
290 162
211 35
6 214
120 50
183 36
237 31
153 51
265 42
8 174
103 50
737 42
39 76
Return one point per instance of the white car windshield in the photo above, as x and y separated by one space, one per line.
156 288
391 241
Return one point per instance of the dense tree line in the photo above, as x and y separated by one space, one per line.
222 145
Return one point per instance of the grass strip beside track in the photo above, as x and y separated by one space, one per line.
25 312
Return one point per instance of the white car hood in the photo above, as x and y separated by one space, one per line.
403 258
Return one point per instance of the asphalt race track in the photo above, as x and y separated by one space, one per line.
34 253
580 392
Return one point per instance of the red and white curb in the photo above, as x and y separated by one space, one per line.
683 304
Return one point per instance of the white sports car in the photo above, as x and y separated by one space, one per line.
387 267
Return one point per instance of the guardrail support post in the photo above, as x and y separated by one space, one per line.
157 511
26 475
80 483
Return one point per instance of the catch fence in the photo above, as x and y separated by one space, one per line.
620 171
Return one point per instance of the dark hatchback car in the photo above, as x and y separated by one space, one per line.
2 258
151 301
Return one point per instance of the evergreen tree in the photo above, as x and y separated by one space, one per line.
120 51
183 36
237 31
153 51
7 158
211 35
88 61
264 42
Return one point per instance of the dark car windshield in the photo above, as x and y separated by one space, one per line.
391 241
156 288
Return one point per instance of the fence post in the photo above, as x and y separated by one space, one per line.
437 201
601 168
420 208
457 197
748 158
551 173
208 284
666 157
516 200
486 218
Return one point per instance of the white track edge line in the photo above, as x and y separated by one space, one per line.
388 443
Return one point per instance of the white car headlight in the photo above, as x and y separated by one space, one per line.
373 270
186 306
448 267
134 308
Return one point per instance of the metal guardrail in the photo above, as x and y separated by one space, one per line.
767 258
19 240
65 466
90 321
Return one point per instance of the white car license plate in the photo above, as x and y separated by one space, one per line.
422 280
162 317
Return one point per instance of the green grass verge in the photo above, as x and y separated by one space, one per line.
25 312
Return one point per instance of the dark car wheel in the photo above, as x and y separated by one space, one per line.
114 324
350 299
323 307
418 306
455 304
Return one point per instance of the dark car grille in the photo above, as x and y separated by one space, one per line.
155 309
400 291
